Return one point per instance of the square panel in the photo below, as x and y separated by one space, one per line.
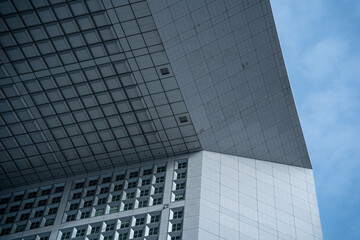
78 88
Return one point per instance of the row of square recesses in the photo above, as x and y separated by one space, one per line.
144 226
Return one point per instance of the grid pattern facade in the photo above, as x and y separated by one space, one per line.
43 236
90 85
85 85
179 182
30 209
243 198
115 192
227 60
143 226
176 218
131 202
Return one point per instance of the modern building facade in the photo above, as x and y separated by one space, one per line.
157 119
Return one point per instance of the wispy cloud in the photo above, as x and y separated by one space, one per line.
333 137
324 61
296 21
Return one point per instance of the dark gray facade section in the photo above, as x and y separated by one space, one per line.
90 84
85 85
228 63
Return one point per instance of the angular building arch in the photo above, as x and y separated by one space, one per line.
151 119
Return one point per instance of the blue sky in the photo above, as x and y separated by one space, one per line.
320 40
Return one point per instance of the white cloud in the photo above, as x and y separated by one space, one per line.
324 61
295 21
332 138
330 114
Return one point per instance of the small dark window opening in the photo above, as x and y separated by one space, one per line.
183 119
164 71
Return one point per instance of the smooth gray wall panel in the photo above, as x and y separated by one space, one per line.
227 60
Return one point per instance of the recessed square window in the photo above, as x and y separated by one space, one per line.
69 26
164 71
54 29
38 33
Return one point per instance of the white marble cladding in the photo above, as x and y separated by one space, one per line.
241 198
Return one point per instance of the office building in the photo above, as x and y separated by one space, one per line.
157 119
